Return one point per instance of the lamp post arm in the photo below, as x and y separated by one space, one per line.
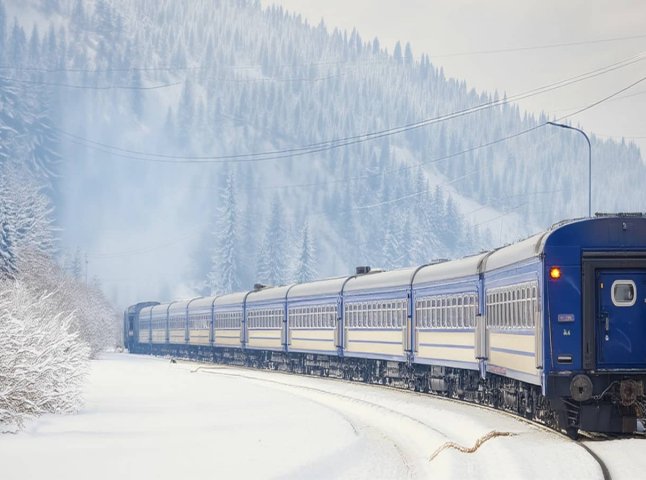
587 139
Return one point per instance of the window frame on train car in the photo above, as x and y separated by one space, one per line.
623 303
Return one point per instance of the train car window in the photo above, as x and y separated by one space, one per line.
433 315
367 315
443 312
423 314
460 312
397 314
453 322
624 293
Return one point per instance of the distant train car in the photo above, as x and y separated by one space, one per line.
159 324
552 328
376 321
199 318
229 321
266 314
177 333
446 307
314 317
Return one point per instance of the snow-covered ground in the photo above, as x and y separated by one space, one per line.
149 418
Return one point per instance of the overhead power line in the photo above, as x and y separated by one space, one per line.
538 47
139 251
89 87
503 139
332 62
339 142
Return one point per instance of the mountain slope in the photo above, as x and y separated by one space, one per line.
204 78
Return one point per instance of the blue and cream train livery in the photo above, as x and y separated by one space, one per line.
552 328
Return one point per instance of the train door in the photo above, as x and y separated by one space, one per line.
621 318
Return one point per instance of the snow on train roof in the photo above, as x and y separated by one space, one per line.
201 303
462 267
161 309
327 286
526 249
178 306
231 299
268 294
145 311
373 281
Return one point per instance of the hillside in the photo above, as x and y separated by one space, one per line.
152 115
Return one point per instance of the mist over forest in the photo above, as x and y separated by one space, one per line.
189 148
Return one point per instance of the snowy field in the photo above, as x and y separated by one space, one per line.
148 418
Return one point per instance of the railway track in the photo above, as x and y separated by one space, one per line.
445 440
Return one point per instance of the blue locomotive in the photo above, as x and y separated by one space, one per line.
552 328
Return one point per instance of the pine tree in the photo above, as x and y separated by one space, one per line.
392 249
76 267
271 261
408 55
305 266
224 274
397 54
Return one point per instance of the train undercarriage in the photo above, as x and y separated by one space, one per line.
618 409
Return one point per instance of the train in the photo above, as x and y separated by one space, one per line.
552 328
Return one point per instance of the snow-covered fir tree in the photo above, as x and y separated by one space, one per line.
271 260
218 80
305 263
223 277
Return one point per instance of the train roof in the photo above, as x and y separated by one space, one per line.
603 230
464 267
145 311
231 299
201 303
524 250
268 294
160 309
376 281
178 306
325 287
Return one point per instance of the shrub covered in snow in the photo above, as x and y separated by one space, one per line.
42 360
94 319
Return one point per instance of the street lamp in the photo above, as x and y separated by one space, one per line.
589 161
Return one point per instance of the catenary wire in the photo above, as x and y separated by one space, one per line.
337 143
195 232
89 87
173 68
538 47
